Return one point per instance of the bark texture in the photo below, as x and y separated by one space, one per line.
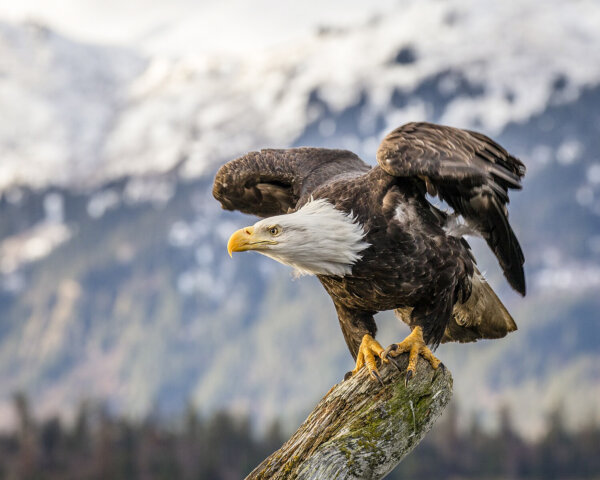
361 430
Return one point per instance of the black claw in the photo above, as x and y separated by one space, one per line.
409 375
395 363
443 367
375 376
347 376
393 347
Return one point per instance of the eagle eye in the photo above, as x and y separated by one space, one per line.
275 230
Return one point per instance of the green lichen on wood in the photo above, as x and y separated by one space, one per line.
367 429
289 466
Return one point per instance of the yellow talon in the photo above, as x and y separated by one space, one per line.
369 349
414 344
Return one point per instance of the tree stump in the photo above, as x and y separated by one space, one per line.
360 429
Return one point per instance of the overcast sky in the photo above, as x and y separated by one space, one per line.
186 26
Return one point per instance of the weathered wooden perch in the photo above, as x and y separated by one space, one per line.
361 429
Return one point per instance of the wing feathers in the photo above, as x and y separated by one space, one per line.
471 173
271 182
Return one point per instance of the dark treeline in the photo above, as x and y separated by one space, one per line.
473 453
102 446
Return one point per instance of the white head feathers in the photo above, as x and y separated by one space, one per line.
318 239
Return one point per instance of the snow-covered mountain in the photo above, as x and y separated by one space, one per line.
115 281
81 115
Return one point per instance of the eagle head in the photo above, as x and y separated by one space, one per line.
317 239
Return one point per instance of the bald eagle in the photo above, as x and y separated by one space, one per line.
374 240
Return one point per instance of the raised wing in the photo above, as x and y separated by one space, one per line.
271 182
471 173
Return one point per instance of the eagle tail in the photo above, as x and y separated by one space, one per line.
483 315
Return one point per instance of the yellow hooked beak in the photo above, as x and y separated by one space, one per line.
247 239
241 240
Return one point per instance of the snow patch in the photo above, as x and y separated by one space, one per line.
572 277
31 245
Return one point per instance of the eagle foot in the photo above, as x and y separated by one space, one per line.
414 344
368 351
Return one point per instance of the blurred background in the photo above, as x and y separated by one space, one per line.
131 346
